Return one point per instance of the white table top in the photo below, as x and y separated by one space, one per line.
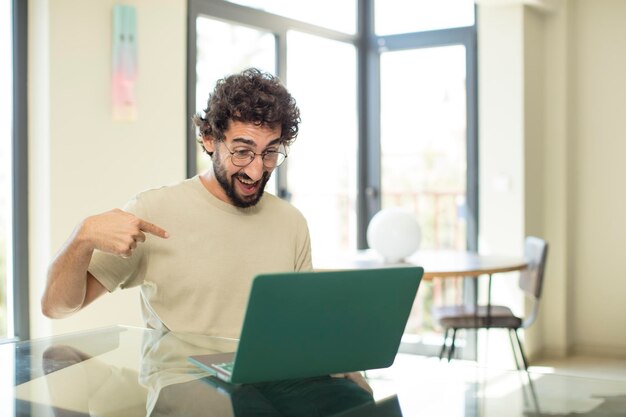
436 264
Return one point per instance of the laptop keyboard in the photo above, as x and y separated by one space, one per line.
226 366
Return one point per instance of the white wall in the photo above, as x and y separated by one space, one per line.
504 149
569 123
501 129
81 161
553 335
598 45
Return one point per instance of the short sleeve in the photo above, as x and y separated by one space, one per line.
113 271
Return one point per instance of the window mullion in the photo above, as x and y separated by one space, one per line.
20 271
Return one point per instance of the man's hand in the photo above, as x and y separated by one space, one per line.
116 232
70 286
357 378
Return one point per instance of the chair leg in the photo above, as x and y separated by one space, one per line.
521 350
514 349
451 349
445 341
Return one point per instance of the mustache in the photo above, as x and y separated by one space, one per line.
244 176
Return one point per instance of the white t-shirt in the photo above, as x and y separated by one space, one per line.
198 280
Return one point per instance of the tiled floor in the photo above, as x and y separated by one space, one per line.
427 386
585 366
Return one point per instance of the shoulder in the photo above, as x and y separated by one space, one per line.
157 199
167 192
278 207
187 185
283 214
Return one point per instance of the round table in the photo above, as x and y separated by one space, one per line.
436 263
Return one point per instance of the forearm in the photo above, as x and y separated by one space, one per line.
70 287
357 378
67 278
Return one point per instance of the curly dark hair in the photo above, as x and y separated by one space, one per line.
251 96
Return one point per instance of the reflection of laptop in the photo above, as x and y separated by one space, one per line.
389 407
325 395
306 324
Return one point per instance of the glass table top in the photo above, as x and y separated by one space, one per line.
126 371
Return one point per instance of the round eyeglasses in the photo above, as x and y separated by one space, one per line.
270 158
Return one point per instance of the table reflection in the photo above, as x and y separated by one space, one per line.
124 371
166 384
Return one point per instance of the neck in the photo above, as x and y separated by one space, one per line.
213 186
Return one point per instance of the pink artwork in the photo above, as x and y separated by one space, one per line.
124 60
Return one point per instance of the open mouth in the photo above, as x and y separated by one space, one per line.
247 186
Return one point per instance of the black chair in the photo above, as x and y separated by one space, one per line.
497 316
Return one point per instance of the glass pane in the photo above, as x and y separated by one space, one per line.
321 171
225 48
423 151
339 15
405 16
6 123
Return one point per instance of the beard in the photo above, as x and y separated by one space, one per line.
228 185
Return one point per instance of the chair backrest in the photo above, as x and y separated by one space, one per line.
531 278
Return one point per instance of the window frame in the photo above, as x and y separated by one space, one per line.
19 176
467 37
369 48
257 19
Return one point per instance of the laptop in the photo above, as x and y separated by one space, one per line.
305 324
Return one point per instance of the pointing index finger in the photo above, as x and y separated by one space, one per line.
153 229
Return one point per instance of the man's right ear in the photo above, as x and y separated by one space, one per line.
209 143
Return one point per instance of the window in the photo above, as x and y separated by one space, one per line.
327 142
423 140
424 157
242 37
333 14
388 118
402 16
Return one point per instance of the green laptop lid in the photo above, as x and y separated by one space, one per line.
316 323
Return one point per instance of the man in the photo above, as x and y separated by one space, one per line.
195 247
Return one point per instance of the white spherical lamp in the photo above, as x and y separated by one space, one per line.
394 234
